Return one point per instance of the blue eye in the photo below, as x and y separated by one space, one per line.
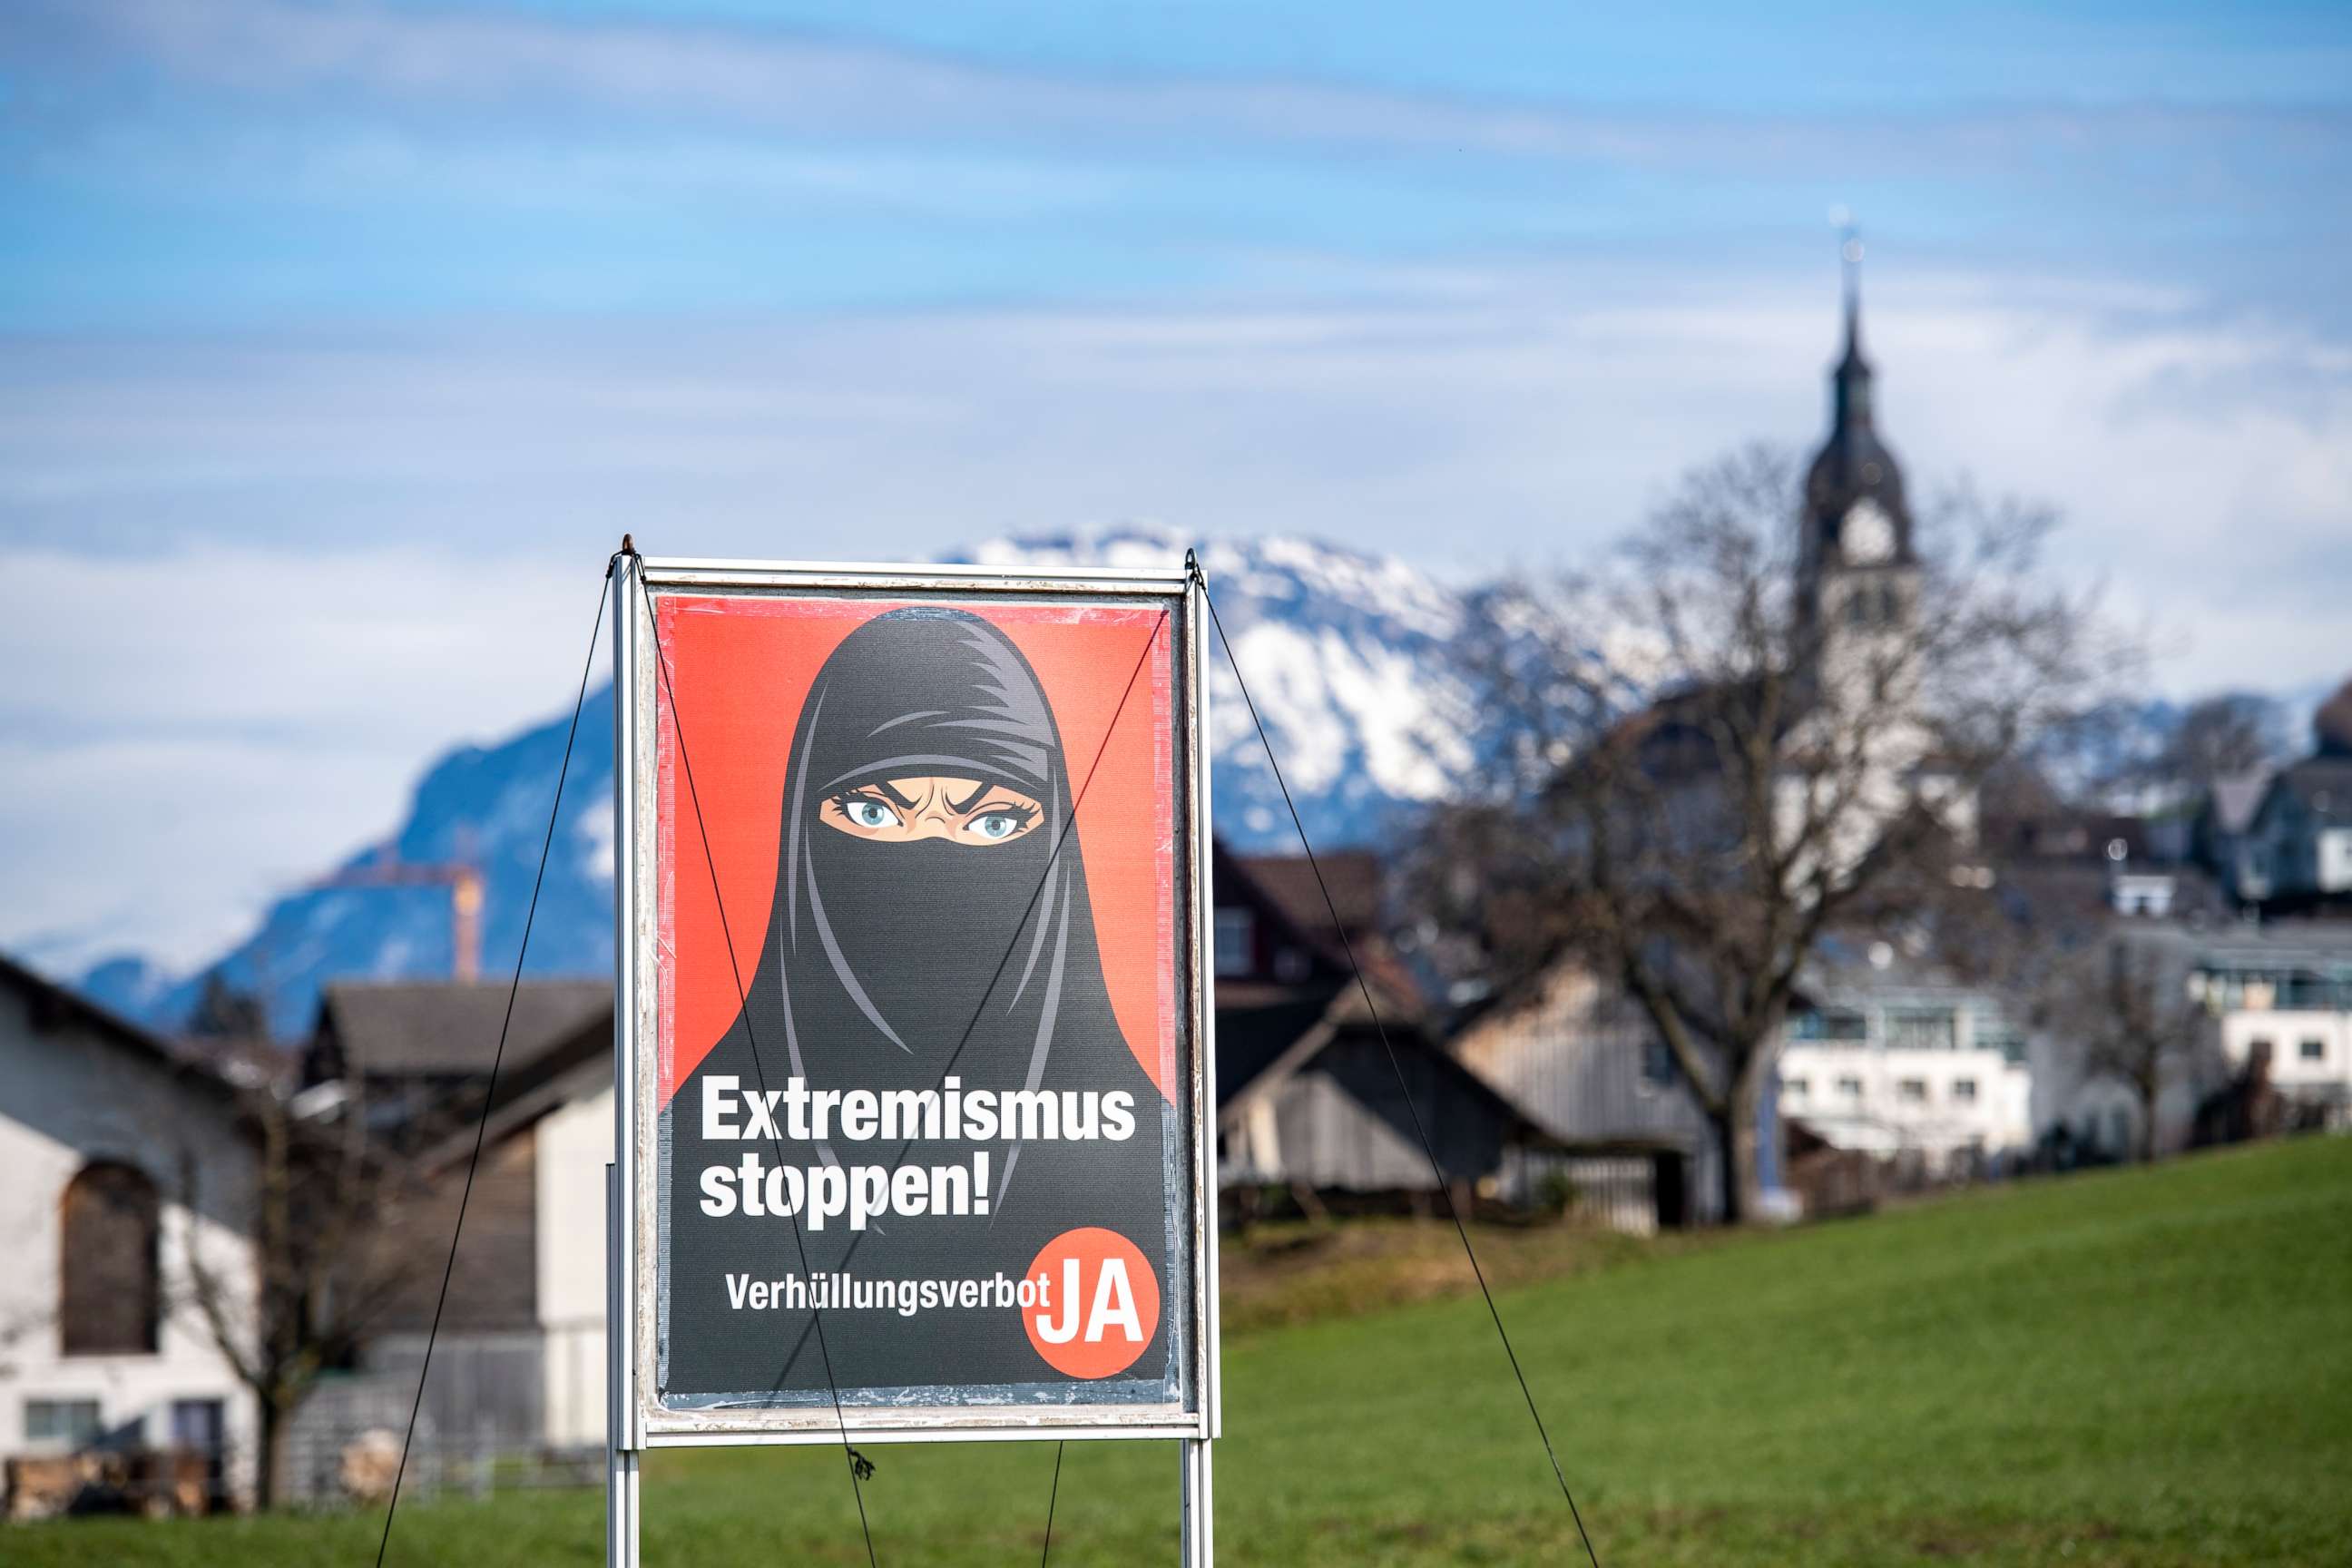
869 814
996 825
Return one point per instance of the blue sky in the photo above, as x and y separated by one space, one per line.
420 305
192 167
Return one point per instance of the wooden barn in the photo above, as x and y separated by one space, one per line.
1308 1097
518 1365
1632 1145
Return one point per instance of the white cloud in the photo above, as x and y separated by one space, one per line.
204 727
196 721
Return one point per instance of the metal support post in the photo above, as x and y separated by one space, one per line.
623 1442
620 1462
1199 1528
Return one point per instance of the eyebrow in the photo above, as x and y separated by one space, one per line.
968 802
896 798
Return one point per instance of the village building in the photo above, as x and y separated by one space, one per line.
2278 839
130 1168
2281 994
1889 1060
401 1052
2296 855
519 1362
1579 1055
2217 832
1308 1098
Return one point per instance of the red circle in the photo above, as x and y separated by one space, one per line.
1097 1306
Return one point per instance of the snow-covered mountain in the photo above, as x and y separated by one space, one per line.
1348 656
1357 663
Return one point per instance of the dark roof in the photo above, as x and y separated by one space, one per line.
2321 943
442 1028
1672 739
1259 1021
1353 875
1286 885
2323 786
2235 799
1259 1048
1250 1039
2076 834
558 1079
51 1002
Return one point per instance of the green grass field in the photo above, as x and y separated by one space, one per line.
2133 1368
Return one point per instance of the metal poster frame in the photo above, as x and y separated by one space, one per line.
636 1418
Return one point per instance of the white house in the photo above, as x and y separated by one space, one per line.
2285 992
1891 1062
574 1135
123 1167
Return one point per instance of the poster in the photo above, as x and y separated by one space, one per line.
920 1092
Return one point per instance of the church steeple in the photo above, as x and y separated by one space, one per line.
1850 382
1855 515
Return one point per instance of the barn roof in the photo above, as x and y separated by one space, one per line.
447 1029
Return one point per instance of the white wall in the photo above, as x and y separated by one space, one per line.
2286 1032
1881 1121
71 1096
2335 855
574 1141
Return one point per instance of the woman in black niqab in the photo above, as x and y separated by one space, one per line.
894 961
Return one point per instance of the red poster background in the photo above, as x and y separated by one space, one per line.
740 666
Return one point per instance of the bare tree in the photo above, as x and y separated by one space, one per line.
2124 1014
2217 738
1721 748
326 1266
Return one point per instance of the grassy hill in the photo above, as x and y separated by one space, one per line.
2137 1368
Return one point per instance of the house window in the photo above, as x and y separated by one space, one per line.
1850 1088
1658 1065
1237 941
1996 1035
1964 1089
2315 1050
1922 1029
1832 1023
1796 1088
62 1423
200 1425
1912 1089
109 1294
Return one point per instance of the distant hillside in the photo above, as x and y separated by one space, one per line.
1347 655
1355 660
488 804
